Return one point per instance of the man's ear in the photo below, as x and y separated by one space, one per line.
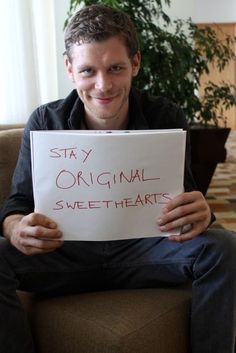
68 66
136 61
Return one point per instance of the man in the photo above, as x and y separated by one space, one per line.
102 56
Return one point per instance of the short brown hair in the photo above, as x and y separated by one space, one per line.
97 23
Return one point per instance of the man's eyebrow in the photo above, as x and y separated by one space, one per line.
88 66
84 67
119 63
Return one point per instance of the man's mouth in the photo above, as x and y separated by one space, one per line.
104 100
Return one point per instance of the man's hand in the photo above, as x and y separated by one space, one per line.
32 234
189 211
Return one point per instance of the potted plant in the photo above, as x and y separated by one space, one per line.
175 55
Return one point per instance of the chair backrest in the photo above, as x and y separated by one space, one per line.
11 126
9 148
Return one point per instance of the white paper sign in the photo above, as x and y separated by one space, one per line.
106 185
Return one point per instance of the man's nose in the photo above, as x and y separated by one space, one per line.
103 82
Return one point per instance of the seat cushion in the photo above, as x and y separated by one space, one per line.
124 321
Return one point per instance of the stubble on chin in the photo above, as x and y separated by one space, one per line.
96 114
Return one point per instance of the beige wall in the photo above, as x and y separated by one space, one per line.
64 85
210 11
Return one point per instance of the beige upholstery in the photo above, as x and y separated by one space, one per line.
9 147
121 321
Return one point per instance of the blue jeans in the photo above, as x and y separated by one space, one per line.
209 261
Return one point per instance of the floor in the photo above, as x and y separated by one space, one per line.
221 194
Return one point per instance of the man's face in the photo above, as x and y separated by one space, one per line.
102 73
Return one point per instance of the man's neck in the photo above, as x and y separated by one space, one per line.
103 124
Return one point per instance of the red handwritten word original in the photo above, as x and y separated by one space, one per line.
67 179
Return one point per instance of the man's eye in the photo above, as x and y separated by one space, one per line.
86 72
115 68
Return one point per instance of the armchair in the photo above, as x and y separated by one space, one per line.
118 321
